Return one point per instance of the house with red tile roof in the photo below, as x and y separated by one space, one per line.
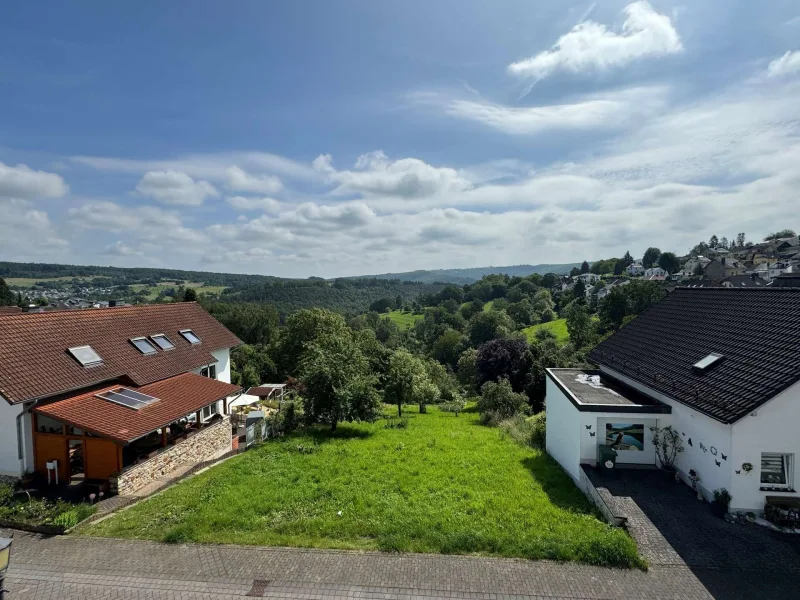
117 395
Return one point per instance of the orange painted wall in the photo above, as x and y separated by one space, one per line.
101 458
52 447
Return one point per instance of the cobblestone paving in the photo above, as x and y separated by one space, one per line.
67 568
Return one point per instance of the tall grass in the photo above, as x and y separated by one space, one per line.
441 484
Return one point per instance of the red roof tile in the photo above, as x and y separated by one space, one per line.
177 397
36 364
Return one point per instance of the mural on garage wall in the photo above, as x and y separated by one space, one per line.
625 436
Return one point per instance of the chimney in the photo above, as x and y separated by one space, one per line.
112 303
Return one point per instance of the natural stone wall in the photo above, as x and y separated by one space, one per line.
208 443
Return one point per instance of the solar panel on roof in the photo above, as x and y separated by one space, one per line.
129 398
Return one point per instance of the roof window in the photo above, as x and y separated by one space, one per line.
162 341
709 361
143 345
190 336
85 355
128 398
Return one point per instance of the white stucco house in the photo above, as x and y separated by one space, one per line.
101 394
588 278
717 364
635 269
655 272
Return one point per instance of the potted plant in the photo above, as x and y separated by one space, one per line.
694 478
722 500
668 445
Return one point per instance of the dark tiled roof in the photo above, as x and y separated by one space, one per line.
36 364
177 397
745 281
786 280
756 329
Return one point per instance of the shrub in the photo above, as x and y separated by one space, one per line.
6 494
499 401
527 431
67 519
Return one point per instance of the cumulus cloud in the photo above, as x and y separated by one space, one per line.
175 187
26 232
788 64
119 248
591 46
24 183
599 111
376 175
241 181
250 204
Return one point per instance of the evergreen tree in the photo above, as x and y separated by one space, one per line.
584 267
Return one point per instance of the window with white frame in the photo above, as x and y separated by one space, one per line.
210 410
209 371
777 470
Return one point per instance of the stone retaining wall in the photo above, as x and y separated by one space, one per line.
208 443
597 498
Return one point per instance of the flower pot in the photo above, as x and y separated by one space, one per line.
718 509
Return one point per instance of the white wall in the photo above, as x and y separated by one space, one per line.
9 452
774 428
598 426
697 427
563 430
223 361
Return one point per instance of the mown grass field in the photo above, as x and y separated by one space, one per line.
404 320
558 327
444 484
28 282
154 291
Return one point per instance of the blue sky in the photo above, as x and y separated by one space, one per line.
354 137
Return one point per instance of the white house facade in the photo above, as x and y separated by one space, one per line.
717 365
635 269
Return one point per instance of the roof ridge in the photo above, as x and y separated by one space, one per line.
75 311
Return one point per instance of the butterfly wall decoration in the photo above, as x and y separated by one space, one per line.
593 434
724 457
738 471
716 461
588 427
690 443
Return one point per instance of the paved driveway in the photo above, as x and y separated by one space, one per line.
672 527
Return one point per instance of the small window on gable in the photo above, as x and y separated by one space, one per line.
143 345
707 362
190 336
162 341
85 355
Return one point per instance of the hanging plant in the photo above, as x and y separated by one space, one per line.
747 467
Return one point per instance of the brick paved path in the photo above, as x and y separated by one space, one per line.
67 568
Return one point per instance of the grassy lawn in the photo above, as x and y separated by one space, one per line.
404 320
154 291
443 484
28 282
558 327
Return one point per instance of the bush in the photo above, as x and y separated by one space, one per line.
6 494
527 431
287 420
499 401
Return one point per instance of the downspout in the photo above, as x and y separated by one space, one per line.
20 449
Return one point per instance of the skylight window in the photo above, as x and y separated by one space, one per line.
85 355
143 345
706 363
190 336
162 341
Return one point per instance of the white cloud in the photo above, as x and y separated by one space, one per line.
174 187
24 183
119 248
610 110
592 46
248 204
26 233
376 175
240 180
788 64
210 166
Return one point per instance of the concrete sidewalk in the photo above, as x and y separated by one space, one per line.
81 568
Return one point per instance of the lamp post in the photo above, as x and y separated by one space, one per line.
5 557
